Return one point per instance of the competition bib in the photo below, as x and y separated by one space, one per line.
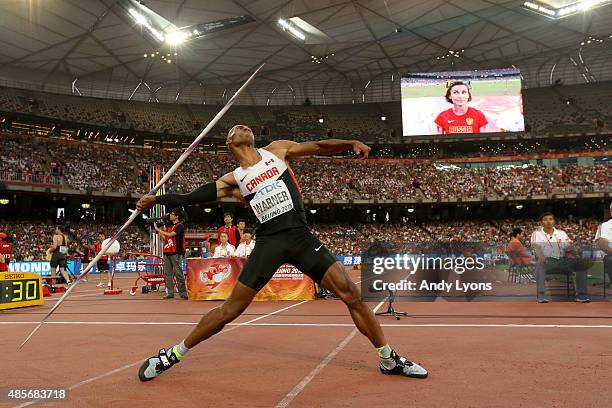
271 201
63 249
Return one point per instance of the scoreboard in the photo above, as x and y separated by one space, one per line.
20 289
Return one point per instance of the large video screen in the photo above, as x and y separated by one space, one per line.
440 103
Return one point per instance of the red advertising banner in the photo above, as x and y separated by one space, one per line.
214 279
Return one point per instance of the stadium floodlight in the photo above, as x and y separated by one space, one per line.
138 18
176 37
321 120
383 117
556 9
207 210
313 211
85 206
287 26
411 210
4 201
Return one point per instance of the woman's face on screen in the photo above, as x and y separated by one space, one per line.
460 95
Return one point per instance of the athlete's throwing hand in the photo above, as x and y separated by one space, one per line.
145 202
361 149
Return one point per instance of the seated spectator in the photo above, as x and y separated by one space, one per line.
246 247
516 251
224 249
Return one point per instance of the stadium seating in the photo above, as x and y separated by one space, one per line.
574 108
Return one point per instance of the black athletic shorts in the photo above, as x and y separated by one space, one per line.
58 259
102 265
296 246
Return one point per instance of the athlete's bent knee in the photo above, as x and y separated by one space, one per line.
350 295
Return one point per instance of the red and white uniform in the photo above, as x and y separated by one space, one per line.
6 249
471 122
272 192
98 249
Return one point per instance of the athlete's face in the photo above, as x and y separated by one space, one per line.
223 238
247 237
460 95
240 135
241 225
227 219
101 237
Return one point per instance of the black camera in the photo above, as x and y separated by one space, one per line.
159 221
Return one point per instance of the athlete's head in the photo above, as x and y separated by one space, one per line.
458 93
223 238
227 217
241 224
247 236
101 237
240 135
548 220
59 229
517 232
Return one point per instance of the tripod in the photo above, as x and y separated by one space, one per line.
390 311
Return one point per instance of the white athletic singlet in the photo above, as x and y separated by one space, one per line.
272 192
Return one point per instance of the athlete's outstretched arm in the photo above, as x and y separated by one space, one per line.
226 186
287 149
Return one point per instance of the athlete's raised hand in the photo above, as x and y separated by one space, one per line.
362 150
146 201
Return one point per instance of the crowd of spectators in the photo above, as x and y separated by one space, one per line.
553 109
446 182
33 237
518 181
23 159
122 169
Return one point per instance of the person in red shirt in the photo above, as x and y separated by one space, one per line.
102 264
516 251
240 231
6 250
461 118
230 230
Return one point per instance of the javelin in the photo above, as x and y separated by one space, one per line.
161 182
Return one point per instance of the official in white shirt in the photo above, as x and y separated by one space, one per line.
551 247
603 239
224 249
245 248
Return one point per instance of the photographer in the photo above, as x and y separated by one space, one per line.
174 248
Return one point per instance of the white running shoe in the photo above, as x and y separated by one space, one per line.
400 366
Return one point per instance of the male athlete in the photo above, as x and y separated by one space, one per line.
267 183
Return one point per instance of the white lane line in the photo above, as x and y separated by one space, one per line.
125 367
306 380
251 323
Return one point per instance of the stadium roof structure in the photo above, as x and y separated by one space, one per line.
352 51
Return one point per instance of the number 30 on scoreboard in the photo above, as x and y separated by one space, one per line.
20 289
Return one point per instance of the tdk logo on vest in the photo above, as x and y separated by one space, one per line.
270 187
268 174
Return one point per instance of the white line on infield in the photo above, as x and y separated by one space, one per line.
250 323
125 367
306 380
